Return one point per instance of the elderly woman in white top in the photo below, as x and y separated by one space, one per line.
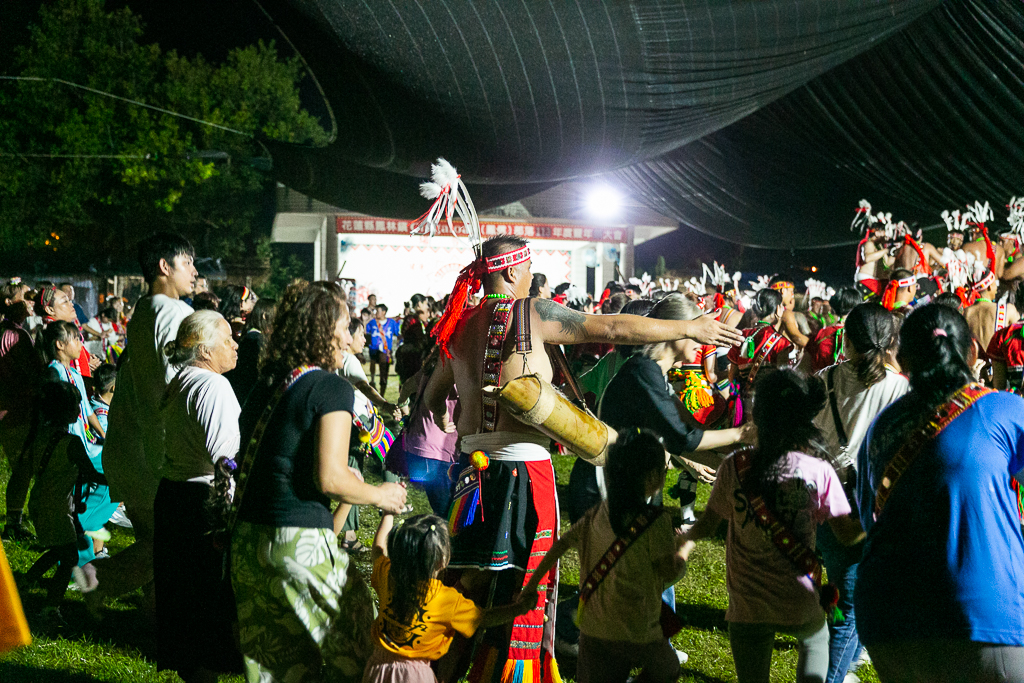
195 606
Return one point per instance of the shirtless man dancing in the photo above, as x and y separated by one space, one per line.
985 317
873 259
504 515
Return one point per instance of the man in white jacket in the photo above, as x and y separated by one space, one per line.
133 455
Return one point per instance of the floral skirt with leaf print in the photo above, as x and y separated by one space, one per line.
304 612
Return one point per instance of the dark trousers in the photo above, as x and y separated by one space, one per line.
384 365
947 661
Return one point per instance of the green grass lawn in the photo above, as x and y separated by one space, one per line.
122 646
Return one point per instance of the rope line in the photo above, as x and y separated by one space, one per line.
123 99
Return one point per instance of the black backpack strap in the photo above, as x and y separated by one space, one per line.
831 387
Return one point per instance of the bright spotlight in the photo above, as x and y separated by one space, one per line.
603 202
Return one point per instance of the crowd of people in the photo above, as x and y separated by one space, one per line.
864 448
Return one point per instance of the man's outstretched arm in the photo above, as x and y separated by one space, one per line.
553 323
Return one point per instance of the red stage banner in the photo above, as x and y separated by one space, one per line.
490 227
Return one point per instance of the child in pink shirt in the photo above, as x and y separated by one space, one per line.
768 593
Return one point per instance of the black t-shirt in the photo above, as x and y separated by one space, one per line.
639 397
282 489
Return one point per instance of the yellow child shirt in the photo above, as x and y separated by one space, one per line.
445 613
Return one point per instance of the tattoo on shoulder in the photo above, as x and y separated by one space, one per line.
572 322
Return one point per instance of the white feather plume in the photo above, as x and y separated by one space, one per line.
429 190
575 295
1016 217
815 288
979 213
451 198
763 281
955 222
863 218
667 284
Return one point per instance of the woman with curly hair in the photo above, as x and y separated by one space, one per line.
303 611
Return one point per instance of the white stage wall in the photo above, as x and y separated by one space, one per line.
394 272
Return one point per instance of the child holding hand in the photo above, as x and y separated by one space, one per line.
419 615
629 554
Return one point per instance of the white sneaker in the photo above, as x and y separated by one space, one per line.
683 657
120 519
863 659
851 678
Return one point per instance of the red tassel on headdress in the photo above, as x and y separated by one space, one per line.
719 300
889 296
989 251
907 239
966 298
467 283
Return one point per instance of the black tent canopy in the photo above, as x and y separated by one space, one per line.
759 121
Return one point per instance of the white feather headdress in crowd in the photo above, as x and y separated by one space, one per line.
717 274
863 219
669 284
451 198
955 222
1016 217
576 295
978 213
644 283
694 286
960 267
816 289
763 281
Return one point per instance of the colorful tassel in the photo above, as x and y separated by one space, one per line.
466 502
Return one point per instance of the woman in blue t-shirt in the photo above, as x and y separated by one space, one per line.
940 588
301 605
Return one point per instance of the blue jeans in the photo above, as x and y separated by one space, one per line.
841 564
432 475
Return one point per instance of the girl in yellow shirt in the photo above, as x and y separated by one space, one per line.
419 615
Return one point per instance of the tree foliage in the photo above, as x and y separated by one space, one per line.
83 176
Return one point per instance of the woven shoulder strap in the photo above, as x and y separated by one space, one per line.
617 549
782 537
961 400
761 354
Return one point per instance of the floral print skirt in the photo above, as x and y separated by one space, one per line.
304 612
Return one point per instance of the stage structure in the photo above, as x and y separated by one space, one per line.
385 258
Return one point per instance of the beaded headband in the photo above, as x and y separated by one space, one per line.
779 286
507 260
985 282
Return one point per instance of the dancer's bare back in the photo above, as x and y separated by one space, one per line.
550 323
